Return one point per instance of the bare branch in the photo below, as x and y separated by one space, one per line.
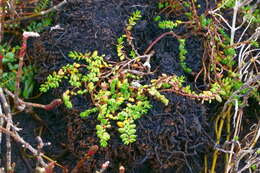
8 125
42 13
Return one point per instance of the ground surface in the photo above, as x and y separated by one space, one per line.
170 139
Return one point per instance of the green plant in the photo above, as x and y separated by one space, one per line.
121 49
10 66
182 57
168 24
42 5
136 16
114 98
115 89
205 21
38 26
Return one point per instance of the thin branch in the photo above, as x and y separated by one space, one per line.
25 144
8 126
22 52
42 13
1 20
234 19
1 125
24 104
148 49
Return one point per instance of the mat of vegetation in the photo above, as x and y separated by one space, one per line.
149 86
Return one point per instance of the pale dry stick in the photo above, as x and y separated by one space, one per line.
7 112
237 130
233 28
103 167
254 158
12 5
256 137
243 33
234 18
237 118
1 125
238 5
42 13
243 55
40 146
246 68
221 17
14 128
14 134
25 144
251 162
147 56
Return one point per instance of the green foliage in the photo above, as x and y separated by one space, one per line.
120 47
168 24
162 5
182 57
66 99
254 16
136 15
117 96
205 21
10 66
114 99
227 3
154 92
42 5
38 26
176 84
157 18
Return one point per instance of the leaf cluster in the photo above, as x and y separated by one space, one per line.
10 66
182 57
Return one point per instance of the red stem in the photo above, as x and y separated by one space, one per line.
158 39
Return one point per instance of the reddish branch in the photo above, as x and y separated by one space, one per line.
24 104
158 39
88 155
26 35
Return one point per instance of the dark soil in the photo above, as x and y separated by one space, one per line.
170 139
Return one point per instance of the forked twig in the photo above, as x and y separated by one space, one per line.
42 13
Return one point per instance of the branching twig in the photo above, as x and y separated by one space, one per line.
1 125
148 49
25 144
42 13
24 104
8 125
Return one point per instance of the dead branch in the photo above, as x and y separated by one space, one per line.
42 13
24 105
7 112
